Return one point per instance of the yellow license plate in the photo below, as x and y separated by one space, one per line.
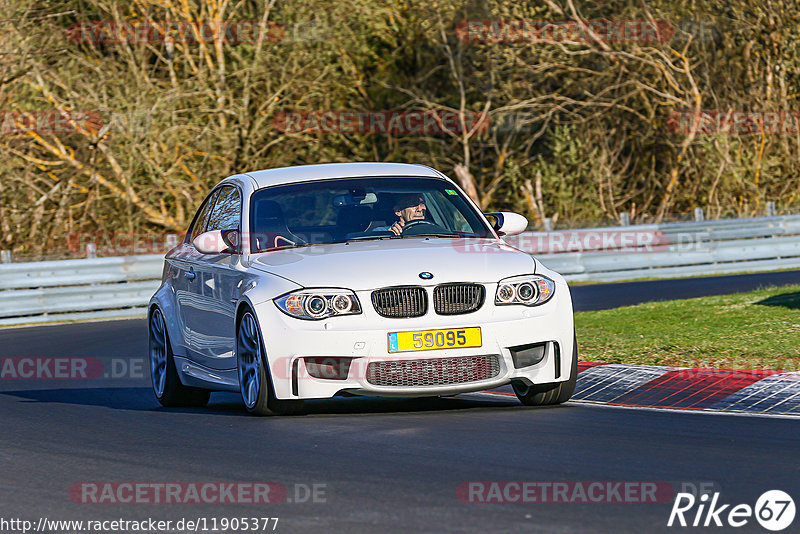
451 338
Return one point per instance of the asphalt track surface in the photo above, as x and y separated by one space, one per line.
613 295
384 465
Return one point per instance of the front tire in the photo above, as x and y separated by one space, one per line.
553 393
167 386
255 383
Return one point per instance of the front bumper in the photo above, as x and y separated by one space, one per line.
289 342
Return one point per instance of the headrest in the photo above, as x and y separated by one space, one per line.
268 209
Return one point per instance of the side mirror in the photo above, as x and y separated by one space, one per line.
217 242
507 222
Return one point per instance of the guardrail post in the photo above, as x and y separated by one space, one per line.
699 215
171 242
5 256
771 208
625 219
91 250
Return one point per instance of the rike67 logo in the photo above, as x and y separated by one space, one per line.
774 510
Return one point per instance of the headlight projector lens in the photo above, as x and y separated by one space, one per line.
526 292
316 305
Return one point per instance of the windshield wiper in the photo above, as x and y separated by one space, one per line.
372 237
433 235
362 238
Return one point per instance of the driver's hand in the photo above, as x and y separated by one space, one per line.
397 228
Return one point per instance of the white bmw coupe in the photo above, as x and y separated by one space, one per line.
377 279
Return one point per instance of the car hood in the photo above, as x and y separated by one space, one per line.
365 265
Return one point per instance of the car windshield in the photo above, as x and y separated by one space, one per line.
340 210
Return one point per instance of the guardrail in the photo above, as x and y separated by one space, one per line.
676 249
121 286
68 290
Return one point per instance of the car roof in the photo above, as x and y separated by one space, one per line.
307 173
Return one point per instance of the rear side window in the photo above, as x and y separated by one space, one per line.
227 210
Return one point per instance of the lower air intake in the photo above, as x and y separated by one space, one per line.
433 371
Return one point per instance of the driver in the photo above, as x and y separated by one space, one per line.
408 207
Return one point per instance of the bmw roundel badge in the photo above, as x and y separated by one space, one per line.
425 275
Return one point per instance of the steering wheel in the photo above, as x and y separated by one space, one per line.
415 222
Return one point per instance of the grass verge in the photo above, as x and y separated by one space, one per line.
753 330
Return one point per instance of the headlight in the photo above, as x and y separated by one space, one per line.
529 290
315 304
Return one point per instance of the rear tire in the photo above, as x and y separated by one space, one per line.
553 393
255 382
167 386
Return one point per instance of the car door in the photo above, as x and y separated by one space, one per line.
186 280
216 288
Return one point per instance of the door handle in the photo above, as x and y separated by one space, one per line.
190 274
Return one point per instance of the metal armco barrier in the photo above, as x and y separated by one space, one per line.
672 249
121 286
77 289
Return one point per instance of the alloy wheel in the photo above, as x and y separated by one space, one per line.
249 358
158 352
